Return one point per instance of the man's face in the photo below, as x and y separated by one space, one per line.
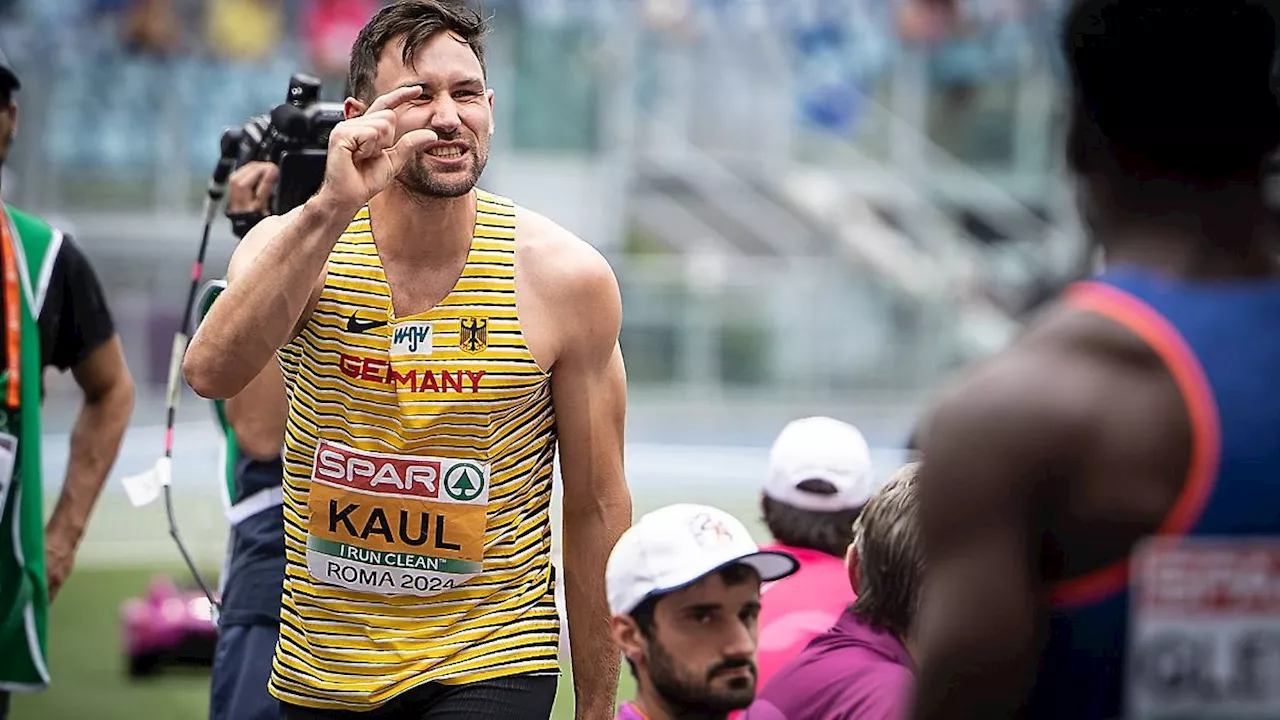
455 104
8 123
701 656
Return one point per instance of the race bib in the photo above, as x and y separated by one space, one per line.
395 524
1204 639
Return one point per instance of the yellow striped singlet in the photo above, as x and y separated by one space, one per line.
418 460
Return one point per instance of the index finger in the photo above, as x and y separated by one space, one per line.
393 99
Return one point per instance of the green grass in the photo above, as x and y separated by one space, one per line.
88 666
87 662
85 653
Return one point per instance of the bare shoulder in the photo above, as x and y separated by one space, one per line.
567 295
560 264
1034 401
1037 404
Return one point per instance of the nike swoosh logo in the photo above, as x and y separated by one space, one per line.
356 325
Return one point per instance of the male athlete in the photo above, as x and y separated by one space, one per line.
253 421
1145 403
437 341
55 315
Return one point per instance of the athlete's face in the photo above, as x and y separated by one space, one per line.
455 103
700 657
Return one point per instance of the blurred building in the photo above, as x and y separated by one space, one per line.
799 202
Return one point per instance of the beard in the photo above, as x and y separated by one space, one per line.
418 179
690 693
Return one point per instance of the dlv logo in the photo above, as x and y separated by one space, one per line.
413 335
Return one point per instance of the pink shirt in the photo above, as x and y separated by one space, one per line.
630 712
851 672
798 608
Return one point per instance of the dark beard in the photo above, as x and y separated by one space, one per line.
418 180
690 697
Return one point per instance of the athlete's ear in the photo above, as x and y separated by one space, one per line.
492 117
627 636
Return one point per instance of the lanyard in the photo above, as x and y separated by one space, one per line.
12 313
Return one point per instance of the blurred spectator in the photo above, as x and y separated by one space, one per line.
861 669
152 28
246 30
819 479
683 586
330 29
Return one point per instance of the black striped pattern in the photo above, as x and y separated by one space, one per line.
341 649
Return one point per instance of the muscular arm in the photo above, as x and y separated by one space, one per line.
276 273
988 449
274 278
589 393
258 414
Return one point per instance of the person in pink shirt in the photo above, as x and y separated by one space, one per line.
863 668
819 479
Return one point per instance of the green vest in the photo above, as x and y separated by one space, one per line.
24 594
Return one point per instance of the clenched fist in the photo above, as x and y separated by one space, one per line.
364 154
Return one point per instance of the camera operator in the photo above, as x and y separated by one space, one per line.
253 423
249 194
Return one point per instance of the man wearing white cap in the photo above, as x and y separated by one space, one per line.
684 591
819 479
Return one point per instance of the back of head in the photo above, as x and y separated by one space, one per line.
412 23
1171 93
886 538
820 476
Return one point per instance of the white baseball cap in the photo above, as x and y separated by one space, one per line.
676 546
820 448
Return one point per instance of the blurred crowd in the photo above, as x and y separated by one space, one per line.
119 72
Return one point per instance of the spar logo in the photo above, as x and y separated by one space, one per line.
464 482
378 472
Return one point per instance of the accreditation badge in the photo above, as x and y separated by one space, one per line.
395 524
1204 632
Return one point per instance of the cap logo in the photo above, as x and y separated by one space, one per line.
708 531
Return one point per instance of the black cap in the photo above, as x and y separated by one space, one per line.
8 77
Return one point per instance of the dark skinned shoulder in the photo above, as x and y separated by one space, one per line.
1050 418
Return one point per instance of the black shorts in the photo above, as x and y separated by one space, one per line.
518 697
241 669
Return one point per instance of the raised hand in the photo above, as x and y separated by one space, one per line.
364 155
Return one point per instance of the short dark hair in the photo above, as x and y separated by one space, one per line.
826 532
414 22
890 555
642 614
1171 96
